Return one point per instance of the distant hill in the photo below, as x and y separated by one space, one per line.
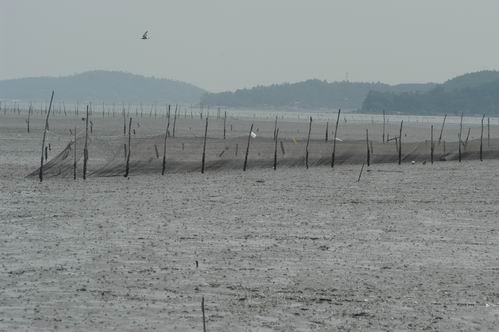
101 86
471 94
307 94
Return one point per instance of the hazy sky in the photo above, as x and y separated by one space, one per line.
230 44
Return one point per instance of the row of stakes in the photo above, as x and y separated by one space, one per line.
397 139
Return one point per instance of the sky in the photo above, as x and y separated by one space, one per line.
223 45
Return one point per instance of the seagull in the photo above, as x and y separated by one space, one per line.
144 36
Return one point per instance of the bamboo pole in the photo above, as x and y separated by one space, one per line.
29 114
74 159
360 174
204 146
368 155
327 132
334 139
124 121
204 319
384 124
400 142
467 138
275 148
174 120
247 149
442 130
488 131
460 136
127 167
481 140
275 128
308 142
225 122
432 145
164 143
45 135
85 149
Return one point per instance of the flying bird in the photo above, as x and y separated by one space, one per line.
144 36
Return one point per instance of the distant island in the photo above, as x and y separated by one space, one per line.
315 94
101 86
471 94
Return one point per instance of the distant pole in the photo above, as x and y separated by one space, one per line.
175 120
275 128
488 131
432 145
127 168
308 142
334 139
384 124
247 149
481 140
368 155
74 159
204 319
85 149
460 136
225 122
124 121
45 135
360 174
164 143
29 114
442 130
204 146
327 132
400 142
275 148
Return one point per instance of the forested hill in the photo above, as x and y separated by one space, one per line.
307 94
101 86
471 94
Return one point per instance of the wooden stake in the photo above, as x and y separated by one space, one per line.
334 139
308 142
275 128
44 136
204 146
360 174
467 137
384 121
247 149
488 131
282 148
432 146
74 159
400 142
204 319
156 150
225 122
124 121
174 121
460 136
368 154
127 167
164 143
275 148
85 149
442 130
327 132
481 140
29 114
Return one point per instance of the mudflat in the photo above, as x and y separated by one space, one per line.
408 247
